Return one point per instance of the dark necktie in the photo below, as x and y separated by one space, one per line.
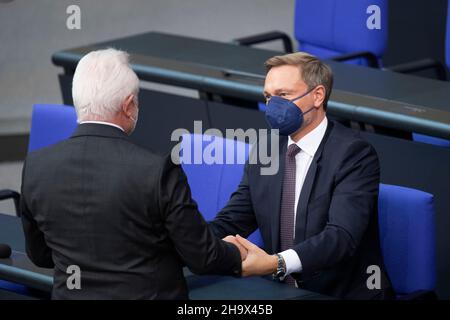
287 213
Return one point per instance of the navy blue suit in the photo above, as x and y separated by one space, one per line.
336 233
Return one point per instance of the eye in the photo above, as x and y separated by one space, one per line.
283 94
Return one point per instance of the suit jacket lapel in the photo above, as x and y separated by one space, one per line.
300 222
275 184
301 214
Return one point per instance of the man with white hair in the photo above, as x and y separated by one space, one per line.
121 215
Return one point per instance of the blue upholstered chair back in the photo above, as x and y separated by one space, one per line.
212 184
51 124
407 235
431 140
327 28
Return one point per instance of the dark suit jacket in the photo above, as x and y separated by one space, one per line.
122 214
336 234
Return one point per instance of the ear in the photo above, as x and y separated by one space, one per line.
319 96
127 105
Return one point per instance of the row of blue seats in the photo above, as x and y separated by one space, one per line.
406 216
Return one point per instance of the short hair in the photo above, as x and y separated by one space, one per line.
103 79
313 71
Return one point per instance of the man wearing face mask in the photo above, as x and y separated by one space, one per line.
119 213
318 214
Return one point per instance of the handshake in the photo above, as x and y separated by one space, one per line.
255 261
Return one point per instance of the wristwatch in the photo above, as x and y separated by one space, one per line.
281 268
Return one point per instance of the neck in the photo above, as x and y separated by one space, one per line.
114 121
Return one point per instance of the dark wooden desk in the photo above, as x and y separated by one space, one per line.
19 269
234 74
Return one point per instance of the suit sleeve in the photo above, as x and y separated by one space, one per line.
194 241
237 217
353 202
36 247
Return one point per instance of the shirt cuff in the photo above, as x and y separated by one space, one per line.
292 260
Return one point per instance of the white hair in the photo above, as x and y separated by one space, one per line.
102 81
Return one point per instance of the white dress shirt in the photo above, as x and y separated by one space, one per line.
104 123
308 146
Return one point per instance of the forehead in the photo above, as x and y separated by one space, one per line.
283 77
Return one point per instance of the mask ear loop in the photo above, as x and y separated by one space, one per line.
295 99
310 109
307 92
136 105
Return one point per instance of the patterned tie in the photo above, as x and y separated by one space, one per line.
287 214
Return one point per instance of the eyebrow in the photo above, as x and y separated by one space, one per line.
278 91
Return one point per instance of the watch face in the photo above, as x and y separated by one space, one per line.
281 273
278 275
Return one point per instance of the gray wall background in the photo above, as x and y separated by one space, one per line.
31 31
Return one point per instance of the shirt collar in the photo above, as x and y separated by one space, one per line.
310 143
104 123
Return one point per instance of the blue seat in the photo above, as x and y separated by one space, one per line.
431 140
407 236
50 124
330 28
334 29
212 184
14 287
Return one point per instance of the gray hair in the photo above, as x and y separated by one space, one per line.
103 79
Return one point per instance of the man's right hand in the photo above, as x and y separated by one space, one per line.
242 250
257 262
